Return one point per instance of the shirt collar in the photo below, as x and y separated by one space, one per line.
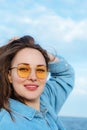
22 109
26 111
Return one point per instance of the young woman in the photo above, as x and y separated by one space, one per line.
28 100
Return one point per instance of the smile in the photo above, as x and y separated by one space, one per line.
31 87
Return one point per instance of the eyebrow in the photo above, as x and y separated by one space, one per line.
23 64
41 65
29 64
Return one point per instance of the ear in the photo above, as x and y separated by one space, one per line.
9 77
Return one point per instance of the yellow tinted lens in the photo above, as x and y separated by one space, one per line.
41 72
23 70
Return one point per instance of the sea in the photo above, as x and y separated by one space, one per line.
74 123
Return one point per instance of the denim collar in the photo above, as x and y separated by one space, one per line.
26 111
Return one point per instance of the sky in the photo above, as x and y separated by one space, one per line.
59 25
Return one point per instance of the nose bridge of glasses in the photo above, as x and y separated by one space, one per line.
32 73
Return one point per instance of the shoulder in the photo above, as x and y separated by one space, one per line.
5 120
3 114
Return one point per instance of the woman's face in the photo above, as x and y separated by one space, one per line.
31 87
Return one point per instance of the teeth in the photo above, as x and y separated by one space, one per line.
32 86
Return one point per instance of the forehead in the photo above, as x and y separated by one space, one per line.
30 56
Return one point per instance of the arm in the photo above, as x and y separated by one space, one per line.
60 83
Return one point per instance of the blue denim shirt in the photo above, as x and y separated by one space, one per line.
55 93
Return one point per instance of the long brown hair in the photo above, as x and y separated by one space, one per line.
7 53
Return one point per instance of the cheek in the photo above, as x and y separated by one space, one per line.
16 79
42 82
17 83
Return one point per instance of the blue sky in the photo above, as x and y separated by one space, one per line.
61 24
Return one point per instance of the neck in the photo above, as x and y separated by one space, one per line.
34 104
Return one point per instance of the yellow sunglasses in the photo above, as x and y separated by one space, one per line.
24 70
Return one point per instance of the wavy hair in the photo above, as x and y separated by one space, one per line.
7 53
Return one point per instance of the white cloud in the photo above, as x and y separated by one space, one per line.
80 86
57 27
75 30
6 34
47 25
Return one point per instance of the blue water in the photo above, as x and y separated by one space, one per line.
74 123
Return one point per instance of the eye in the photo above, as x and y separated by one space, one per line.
41 70
23 69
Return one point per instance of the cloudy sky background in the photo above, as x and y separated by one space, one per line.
59 24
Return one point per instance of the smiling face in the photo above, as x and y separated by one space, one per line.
31 87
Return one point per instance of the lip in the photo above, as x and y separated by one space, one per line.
31 87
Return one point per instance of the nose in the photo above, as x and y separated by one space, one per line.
32 76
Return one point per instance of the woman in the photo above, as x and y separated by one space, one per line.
28 100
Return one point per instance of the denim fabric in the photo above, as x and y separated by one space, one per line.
56 91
